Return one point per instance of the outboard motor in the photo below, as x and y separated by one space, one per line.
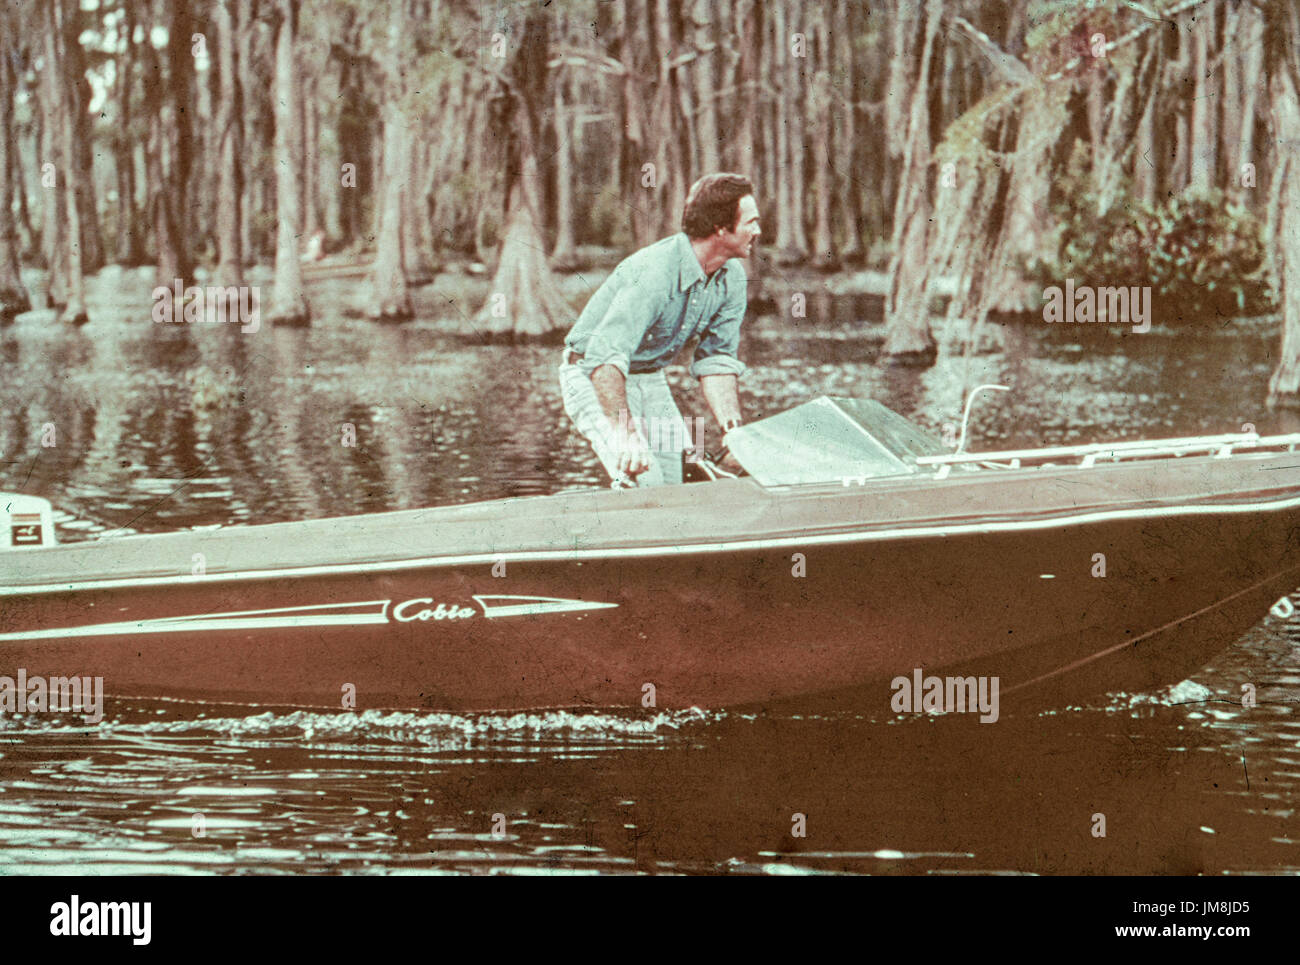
26 522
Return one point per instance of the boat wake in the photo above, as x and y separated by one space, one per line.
166 718
396 726
1186 692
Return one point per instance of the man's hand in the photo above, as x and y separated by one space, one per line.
611 392
721 393
727 461
633 453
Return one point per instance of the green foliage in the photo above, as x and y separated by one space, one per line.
1203 256
1216 249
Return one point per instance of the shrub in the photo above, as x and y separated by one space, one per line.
1203 256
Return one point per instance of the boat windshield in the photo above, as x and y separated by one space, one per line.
831 440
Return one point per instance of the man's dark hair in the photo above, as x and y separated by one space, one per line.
713 203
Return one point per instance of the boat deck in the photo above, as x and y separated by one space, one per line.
700 517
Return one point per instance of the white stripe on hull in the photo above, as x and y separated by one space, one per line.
540 605
286 618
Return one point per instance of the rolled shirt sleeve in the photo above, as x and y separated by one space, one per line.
624 322
718 350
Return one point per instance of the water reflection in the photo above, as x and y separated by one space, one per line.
691 792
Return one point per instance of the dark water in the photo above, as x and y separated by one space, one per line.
161 428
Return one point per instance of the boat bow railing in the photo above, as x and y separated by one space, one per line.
1221 447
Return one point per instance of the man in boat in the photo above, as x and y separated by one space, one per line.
688 284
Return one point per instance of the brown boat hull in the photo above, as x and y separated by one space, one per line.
826 624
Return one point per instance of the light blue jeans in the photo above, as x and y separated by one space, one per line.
650 404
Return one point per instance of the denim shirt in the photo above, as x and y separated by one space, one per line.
654 303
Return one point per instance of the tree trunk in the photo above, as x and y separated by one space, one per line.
704 76
166 255
748 63
389 296
230 261
1144 153
201 197
908 340
29 239
902 34
452 155
14 299
1284 386
769 160
688 137
331 161
778 51
1202 147
793 91
244 33
849 175
1228 115
819 138
74 310
415 246
167 161
524 299
747 66
53 217
310 153
1179 172
389 299
78 95
288 301
636 42
180 70
129 246
671 166
1251 43
565 255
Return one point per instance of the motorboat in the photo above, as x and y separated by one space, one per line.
857 551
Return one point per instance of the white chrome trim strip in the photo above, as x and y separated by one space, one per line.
1130 448
293 617
280 618
540 605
